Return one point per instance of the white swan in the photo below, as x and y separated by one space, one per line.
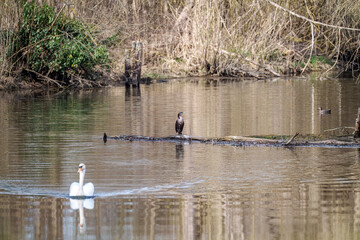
78 188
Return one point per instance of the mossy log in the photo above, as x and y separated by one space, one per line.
267 141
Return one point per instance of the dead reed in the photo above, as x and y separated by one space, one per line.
224 37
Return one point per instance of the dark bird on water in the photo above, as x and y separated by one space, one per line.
179 124
324 111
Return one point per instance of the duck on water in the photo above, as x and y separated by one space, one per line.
324 111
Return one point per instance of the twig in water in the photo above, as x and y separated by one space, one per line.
342 129
291 139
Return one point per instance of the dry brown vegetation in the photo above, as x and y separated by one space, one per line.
224 37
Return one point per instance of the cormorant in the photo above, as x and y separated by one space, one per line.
179 124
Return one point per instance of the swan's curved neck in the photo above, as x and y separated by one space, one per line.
81 182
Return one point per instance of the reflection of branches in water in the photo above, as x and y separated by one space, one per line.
81 204
132 91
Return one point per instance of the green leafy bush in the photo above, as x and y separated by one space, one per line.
52 44
320 59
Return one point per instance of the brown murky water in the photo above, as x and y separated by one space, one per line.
162 190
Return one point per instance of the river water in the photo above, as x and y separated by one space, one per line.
159 190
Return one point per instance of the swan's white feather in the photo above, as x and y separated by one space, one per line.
88 189
74 188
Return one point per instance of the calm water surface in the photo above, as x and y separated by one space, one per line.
162 190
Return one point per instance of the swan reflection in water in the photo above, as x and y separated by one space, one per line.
81 204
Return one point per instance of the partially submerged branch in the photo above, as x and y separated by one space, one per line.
276 141
291 139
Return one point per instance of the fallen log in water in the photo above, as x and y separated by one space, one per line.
269 141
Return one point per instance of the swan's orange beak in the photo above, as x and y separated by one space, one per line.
79 170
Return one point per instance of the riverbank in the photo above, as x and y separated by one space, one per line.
185 38
26 80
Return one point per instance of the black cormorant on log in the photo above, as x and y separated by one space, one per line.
179 124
